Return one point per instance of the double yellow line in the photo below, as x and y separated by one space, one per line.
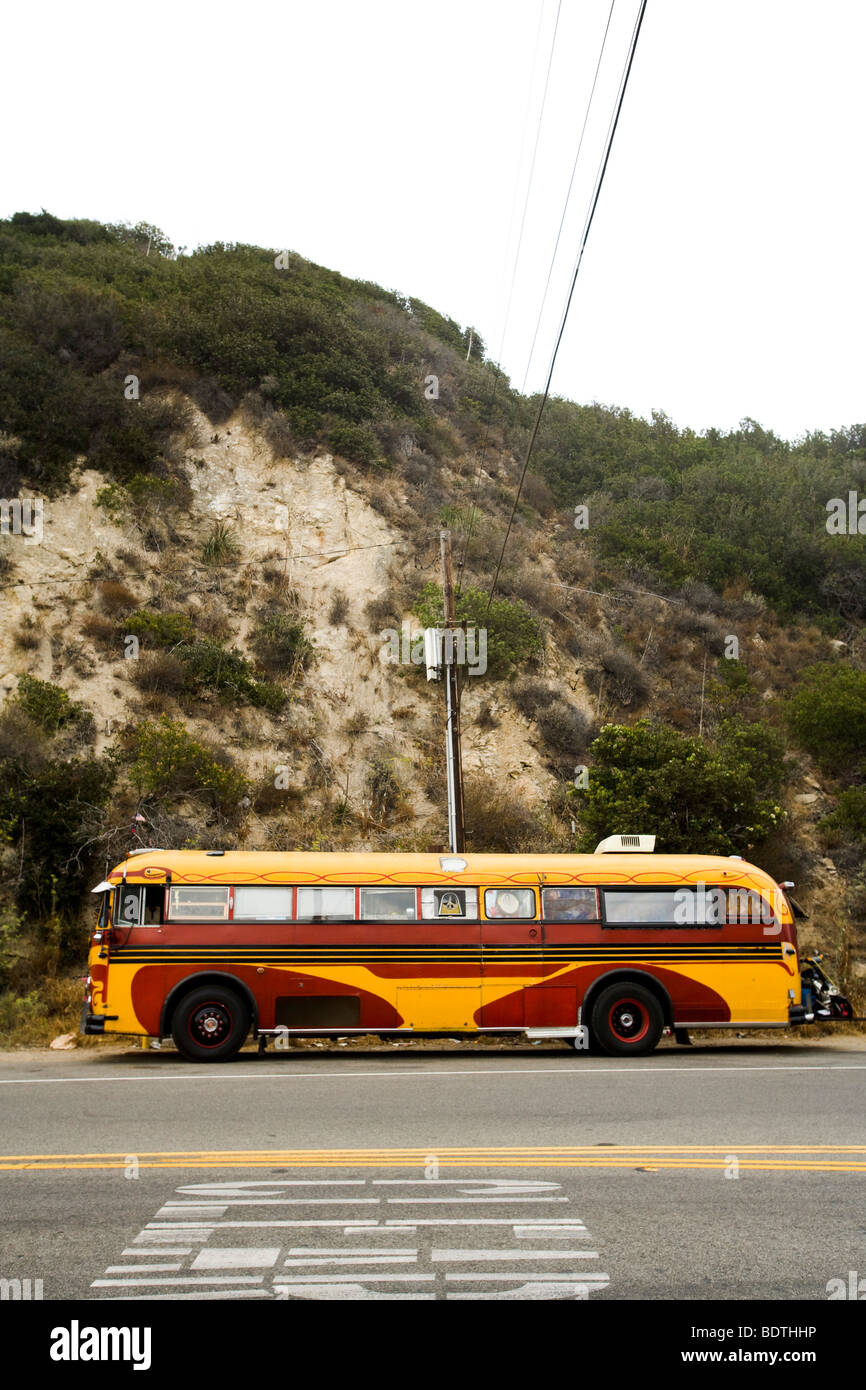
821 1158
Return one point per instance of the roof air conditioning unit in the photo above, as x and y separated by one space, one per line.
626 844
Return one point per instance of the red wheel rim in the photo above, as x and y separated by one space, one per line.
210 1024
628 1020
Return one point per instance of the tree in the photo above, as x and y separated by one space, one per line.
695 797
827 716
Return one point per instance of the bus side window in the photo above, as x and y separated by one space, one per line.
510 902
129 907
154 898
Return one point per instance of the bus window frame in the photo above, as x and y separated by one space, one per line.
510 888
391 888
170 919
119 895
264 921
327 921
595 888
660 926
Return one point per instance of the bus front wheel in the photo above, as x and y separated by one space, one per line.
627 1020
210 1025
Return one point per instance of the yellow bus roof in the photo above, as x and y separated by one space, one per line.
310 867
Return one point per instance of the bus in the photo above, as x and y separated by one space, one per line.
606 950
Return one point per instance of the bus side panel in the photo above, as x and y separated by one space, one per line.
555 1002
291 998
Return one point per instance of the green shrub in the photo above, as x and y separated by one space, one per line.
212 667
827 716
267 695
695 797
513 634
849 816
162 629
356 442
220 545
167 760
140 498
47 705
52 811
280 643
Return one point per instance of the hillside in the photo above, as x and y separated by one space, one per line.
244 462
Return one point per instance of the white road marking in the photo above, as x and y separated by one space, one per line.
200 1279
193 1295
159 1250
566 1224
526 1292
652 1072
466 1201
358 1269
440 1256
347 1292
186 1230
335 1250
172 1207
480 1184
374 1260
170 1230
229 1189
549 1232
581 1277
237 1257
368 1278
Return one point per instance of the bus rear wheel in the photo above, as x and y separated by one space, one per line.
210 1024
627 1020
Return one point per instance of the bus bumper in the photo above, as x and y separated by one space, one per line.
95 1023
835 1009
798 1014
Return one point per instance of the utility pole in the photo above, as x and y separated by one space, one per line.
454 766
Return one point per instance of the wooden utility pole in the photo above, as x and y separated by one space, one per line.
454 765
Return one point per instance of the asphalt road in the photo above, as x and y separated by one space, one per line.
733 1171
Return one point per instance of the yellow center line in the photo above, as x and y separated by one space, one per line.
554 1150
828 1158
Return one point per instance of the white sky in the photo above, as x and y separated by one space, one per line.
391 140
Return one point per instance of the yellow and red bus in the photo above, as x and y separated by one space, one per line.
608 949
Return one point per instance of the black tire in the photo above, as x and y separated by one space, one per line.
627 1020
210 1024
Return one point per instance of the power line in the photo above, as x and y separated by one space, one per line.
582 247
568 194
496 377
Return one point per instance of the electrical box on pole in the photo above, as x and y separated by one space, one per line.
433 653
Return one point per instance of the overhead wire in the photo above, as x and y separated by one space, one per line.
497 375
599 180
568 195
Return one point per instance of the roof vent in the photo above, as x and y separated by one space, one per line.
626 844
